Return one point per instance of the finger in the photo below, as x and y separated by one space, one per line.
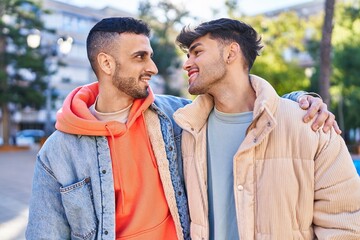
315 106
320 119
303 102
330 121
337 128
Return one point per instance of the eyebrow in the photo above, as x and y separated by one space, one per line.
193 47
142 53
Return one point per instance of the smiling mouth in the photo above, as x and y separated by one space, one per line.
145 81
192 75
192 72
145 78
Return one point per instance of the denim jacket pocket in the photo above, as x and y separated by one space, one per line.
77 200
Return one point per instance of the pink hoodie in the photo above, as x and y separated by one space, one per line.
136 178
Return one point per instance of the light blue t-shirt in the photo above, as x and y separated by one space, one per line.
225 133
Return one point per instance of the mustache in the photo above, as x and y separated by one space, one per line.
146 75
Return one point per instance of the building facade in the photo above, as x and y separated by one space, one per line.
68 22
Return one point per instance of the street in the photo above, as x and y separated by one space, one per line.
16 170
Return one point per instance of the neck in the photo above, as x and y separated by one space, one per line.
235 96
110 100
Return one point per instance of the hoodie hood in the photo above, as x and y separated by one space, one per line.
75 117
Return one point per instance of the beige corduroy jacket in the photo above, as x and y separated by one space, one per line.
289 182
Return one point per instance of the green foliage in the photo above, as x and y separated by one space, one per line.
345 81
312 46
164 18
346 62
231 6
282 34
22 69
165 56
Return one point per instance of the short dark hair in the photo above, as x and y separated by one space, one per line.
102 35
225 30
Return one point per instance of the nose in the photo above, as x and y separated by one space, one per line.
152 68
187 64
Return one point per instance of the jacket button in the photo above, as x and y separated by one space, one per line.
269 124
106 232
255 140
170 148
192 129
240 187
103 171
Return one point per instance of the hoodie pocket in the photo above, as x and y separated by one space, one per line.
77 200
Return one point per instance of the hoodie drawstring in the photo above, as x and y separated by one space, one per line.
119 179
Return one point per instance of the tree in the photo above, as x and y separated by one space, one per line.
231 7
22 69
345 84
325 52
283 40
345 59
164 18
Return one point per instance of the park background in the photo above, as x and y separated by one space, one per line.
308 45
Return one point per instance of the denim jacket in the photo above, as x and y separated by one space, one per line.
73 188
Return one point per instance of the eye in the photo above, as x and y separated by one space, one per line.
197 52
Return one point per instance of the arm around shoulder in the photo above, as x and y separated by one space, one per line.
295 95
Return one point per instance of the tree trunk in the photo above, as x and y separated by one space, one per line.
3 89
325 51
5 124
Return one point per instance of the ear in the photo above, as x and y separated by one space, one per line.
233 52
106 63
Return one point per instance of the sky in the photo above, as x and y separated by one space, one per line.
199 8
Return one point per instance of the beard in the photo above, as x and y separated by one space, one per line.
212 74
129 85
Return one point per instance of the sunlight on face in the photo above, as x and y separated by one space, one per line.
205 66
134 66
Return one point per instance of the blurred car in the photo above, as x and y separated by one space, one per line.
29 136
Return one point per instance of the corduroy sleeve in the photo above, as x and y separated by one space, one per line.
337 191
